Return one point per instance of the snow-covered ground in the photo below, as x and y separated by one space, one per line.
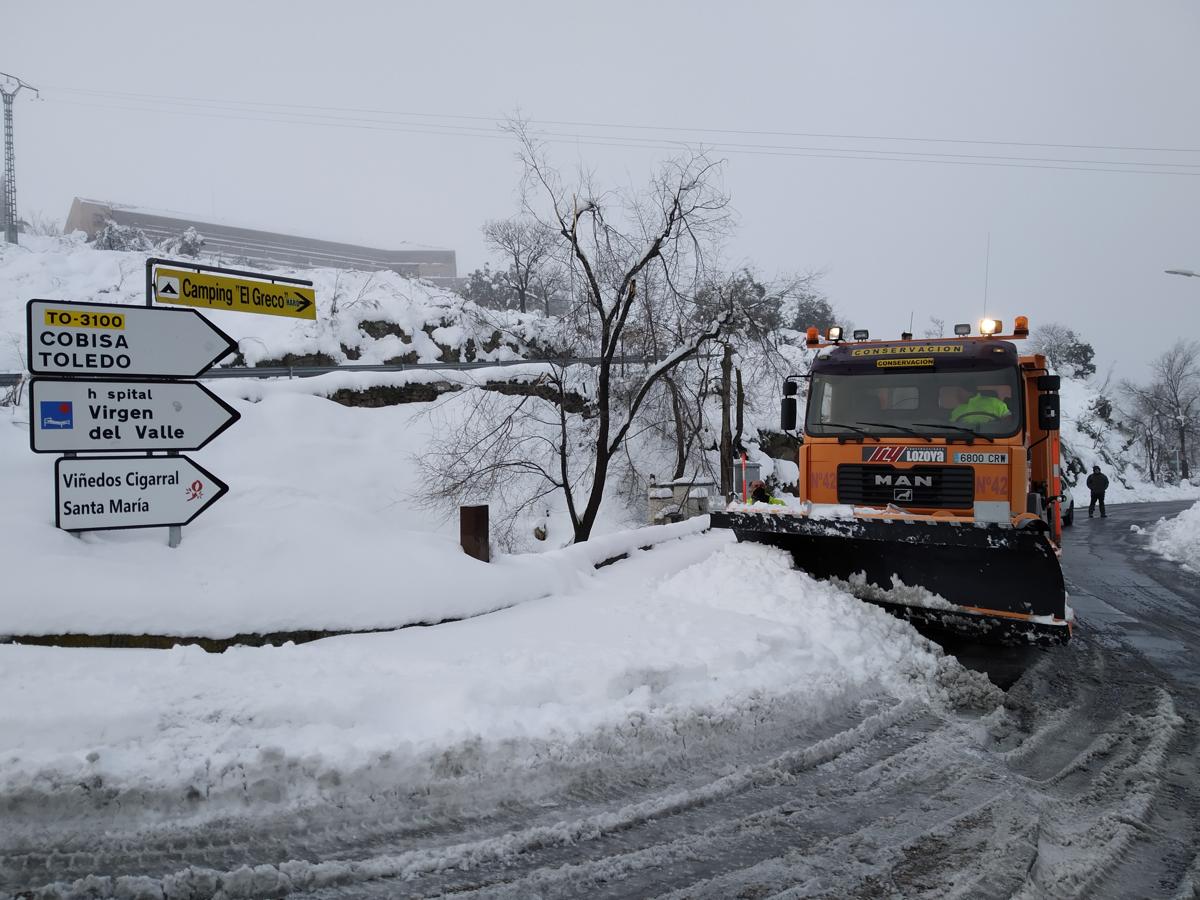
698 627
318 531
1178 538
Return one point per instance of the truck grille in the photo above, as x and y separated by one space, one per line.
937 487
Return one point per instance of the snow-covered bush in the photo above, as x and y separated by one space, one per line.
189 244
113 236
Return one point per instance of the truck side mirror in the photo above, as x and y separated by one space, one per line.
1048 382
788 409
787 414
1048 412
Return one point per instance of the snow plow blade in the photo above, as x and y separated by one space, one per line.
1004 585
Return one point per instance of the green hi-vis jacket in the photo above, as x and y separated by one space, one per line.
992 408
774 501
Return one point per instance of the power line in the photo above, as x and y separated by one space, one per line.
628 142
653 143
625 126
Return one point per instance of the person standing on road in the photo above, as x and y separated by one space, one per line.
1097 483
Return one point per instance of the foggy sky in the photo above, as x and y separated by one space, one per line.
894 238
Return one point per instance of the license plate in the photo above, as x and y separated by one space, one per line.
981 458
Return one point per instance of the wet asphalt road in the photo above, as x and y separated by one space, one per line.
1082 780
1124 593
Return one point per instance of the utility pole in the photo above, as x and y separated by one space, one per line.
9 88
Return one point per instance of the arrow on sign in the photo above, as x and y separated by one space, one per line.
86 416
110 492
304 303
108 339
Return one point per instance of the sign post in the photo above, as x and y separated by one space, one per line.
115 390
109 382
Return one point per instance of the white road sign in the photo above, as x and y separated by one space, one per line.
86 416
108 492
105 340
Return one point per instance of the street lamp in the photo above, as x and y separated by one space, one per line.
1188 272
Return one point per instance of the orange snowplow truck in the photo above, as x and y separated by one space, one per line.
928 463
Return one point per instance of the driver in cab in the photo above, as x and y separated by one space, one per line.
986 406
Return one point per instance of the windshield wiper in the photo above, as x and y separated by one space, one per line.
970 431
840 425
903 428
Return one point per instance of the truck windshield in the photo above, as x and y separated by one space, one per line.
949 403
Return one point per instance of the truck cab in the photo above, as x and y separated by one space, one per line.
955 428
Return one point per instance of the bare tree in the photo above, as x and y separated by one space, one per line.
935 329
1171 402
39 223
616 246
1150 430
528 247
485 445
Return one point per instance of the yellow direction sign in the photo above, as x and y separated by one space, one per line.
234 293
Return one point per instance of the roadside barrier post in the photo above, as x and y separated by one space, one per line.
473 531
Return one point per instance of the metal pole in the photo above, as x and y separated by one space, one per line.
174 532
10 175
78 535
9 195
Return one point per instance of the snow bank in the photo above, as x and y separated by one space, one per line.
1179 538
319 531
702 627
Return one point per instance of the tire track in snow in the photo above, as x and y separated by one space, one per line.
294 875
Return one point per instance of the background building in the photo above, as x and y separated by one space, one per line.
264 249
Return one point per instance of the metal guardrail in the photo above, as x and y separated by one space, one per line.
311 371
8 379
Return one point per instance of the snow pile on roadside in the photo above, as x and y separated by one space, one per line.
696 631
1179 538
